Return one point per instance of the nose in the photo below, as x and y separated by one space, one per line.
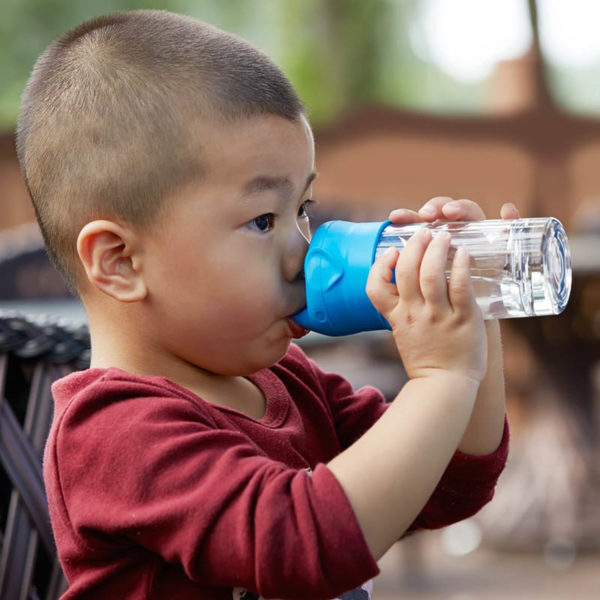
295 251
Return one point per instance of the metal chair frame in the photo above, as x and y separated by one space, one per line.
42 351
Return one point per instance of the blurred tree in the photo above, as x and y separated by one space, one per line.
338 53
28 26
343 53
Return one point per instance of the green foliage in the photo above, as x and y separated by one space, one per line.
337 53
28 26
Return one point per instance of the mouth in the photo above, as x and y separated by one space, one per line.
295 330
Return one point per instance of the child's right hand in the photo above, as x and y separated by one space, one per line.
437 325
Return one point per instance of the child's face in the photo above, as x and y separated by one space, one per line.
224 271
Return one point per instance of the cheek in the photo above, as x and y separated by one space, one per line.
253 305
240 302
225 291
253 281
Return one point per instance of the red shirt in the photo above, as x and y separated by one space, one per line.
155 493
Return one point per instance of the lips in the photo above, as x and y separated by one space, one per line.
296 330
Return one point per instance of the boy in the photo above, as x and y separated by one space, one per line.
202 455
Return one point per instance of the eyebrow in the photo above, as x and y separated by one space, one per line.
266 183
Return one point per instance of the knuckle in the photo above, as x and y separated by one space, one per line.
474 209
410 318
402 271
460 319
429 280
460 286
372 291
409 314
432 315
459 280
440 200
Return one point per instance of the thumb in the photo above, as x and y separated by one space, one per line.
382 293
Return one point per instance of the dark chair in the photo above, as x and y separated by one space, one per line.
34 352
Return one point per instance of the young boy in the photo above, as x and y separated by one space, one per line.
202 455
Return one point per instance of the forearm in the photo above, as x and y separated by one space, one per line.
484 431
404 456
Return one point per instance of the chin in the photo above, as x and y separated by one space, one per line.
272 353
259 359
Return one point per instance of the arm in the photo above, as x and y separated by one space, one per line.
484 431
200 494
467 483
404 456
440 335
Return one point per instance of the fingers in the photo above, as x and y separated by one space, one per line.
380 289
403 216
408 267
448 209
420 271
421 282
434 287
509 211
432 209
463 210
445 207
460 288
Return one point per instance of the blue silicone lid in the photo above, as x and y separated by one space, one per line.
336 269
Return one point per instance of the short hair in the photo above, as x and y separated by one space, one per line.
102 129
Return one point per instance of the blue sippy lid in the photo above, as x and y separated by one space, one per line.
336 269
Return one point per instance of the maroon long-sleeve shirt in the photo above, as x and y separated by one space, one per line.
155 493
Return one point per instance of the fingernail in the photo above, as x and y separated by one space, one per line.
427 209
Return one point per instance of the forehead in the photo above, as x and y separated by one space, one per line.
265 145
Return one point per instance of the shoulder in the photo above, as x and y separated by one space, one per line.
110 422
296 365
109 403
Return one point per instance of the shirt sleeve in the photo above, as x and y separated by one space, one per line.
466 486
353 411
207 499
468 482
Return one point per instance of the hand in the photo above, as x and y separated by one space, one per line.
484 432
437 326
448 209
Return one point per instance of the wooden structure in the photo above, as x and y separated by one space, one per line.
524 149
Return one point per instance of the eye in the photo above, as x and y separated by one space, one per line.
263 223
302 210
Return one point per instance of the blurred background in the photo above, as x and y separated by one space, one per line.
493 100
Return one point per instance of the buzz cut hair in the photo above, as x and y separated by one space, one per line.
103 130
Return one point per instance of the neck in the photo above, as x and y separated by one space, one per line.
125 348
120 337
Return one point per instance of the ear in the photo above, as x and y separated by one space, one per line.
111 258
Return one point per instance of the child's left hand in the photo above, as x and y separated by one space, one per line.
447 209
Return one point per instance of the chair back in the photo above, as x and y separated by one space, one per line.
34 352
